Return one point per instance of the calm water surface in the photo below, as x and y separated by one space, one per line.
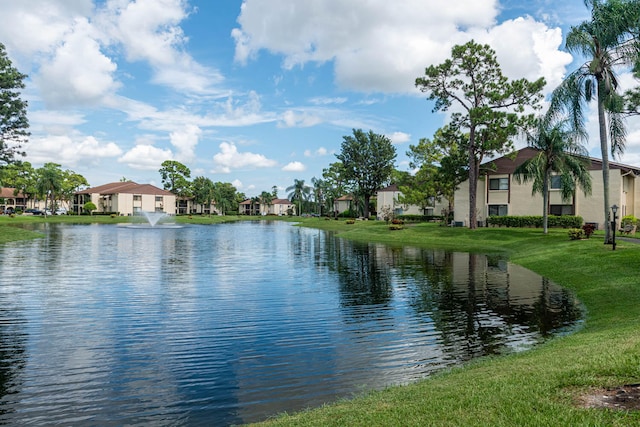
228 324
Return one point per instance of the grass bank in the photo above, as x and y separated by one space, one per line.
540 387
17 228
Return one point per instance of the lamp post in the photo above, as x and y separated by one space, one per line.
614 210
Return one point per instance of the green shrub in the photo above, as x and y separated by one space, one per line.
420 218
396 227
628 220
350 221
535 221
347 214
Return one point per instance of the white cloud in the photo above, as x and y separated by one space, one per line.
30 28
526 48
318 153
69 149
292 119
78 73
399 137
237 184
185 140
230 158
73 47
145 157
294 167
149 31
381 46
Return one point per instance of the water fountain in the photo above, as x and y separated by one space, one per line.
154 220
154 217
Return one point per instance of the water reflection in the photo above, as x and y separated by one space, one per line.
228 324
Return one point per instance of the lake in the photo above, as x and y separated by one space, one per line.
233 323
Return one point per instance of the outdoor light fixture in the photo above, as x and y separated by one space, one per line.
614 210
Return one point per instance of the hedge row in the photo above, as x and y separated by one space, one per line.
419 218
564 221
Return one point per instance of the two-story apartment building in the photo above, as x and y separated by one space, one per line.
127 198
499 193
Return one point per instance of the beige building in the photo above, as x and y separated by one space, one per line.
343 204
279 207
10 202
387 198
499 193
126 198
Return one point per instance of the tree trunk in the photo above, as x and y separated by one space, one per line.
604 148
545 203
473 180
365 209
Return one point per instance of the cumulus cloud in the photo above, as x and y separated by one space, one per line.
70 149
527 48
399 137
78 72
230 158
385 45
185 140
149 31
74 53
294 167
145 157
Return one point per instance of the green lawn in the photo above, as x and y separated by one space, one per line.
539 387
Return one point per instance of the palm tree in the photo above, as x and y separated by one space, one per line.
252 207
560 153
267 199
607 42
49 183
298 192
319 186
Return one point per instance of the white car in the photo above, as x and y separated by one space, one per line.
61 211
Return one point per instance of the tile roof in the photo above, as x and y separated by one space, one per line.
507 164
8 192
128 187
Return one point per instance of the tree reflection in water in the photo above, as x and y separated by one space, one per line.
477 303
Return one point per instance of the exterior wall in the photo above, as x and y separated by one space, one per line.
342 205
389 199
280 209
520 201
125 204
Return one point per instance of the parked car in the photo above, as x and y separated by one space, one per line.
61 211
33 211
46 212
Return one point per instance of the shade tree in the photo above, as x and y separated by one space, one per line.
489 108
14 124
440 165
367 163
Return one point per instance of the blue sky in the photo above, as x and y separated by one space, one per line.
256 92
